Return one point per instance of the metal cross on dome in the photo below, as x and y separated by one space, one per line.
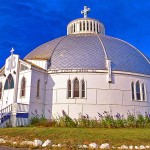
85 11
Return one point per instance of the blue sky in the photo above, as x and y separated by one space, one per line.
26 24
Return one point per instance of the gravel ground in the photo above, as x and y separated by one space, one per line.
12 148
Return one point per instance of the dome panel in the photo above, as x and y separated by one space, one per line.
87 51
76 52
124 56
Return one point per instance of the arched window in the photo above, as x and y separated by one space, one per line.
76 88
38 89
69 89
143 92
83 88
138 96
132 88
23 86
87 26
9 84
1 90
83 25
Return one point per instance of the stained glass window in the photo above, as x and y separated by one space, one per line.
9 84
76 88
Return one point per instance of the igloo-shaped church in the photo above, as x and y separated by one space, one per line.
84 72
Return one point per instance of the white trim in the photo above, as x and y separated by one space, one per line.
94 71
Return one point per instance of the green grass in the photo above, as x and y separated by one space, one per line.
116 137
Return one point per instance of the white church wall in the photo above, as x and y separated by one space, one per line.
73 107
57 109
27 75
121 82
127 99
109 97
93 110
101 96
51 96
37 103
41 63
99 81
2 81
147 84
122 110
7 97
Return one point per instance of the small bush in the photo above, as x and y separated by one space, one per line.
105 120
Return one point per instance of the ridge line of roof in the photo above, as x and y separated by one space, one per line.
41 46
102 46
57 45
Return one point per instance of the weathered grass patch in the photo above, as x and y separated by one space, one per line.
74 136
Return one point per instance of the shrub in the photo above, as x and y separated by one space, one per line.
105 120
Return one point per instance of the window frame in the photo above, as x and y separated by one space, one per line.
133 91
83 89
23 87
38 89
138 91
76 85
143 92
9 83
69 89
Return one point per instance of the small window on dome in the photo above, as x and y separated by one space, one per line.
97 28
91 26
80 26
71 28
83 25
94 27
74 27
87 26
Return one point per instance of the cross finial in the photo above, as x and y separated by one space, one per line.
12 50
85 11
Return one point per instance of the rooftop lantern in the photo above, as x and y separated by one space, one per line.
85 25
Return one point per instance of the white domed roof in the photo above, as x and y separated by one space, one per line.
89 51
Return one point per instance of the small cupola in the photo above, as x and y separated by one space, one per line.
85 25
